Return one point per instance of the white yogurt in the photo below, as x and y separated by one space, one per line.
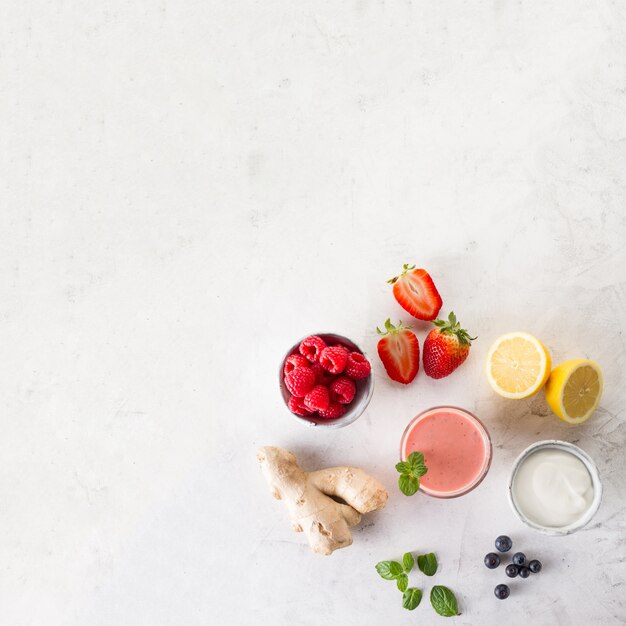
552 488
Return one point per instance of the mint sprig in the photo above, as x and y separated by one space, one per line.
410 472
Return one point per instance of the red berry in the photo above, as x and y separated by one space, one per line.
334 410
297 406
322 377
446 347
416 293
317 399
300 381
338 345
334 359
399 350
311 348
358 367
342 390
293 361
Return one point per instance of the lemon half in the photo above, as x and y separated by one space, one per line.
574 390
518 365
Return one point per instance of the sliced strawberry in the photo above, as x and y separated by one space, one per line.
416 293
399 350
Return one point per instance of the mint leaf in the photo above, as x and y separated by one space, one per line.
416 458
402 582
389 570
443 601
408 562
410 472
419 470
411 598
408 484
403 467
427 563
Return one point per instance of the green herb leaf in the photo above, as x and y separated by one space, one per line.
411 598
403 467
389 570
402 582
408 484
410 472
427 563
418 471
416 458
443 601
408 562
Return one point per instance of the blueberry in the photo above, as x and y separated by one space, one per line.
519 558
503 543
492 560
524 572
511 570
534 566
502 592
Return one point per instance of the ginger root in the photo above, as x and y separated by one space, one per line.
308 496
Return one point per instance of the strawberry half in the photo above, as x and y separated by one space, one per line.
399 350
416 293
446 347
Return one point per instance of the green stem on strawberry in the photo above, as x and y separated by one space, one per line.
405 268
452 327
390 329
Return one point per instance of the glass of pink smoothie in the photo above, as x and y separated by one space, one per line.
456 448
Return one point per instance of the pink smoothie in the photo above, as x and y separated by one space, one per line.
456 448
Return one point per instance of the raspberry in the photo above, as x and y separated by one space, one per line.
322 377
334 410
293 361
297 406
334 359
300 381
358 366
342 390
311 348
317 399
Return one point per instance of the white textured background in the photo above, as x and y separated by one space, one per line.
187 187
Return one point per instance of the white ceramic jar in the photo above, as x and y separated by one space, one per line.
583 492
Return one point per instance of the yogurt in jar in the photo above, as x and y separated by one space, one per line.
553 487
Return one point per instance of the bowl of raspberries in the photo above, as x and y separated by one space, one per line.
326 380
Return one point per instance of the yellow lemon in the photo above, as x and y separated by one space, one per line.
574 390
518 365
